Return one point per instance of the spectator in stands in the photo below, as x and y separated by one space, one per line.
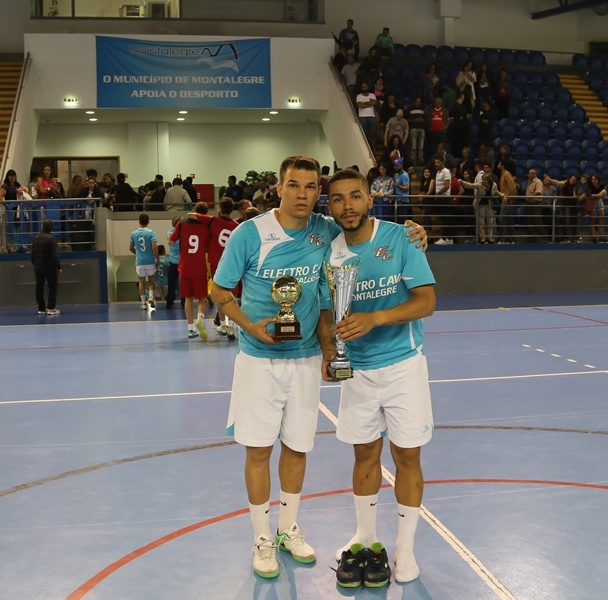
396 150
427 201
486 120
91 174
401 191
431 84
324 180
485 84
506 215
189 187
467 162
503 94
366 103
379 92
487 195
234 190
486 154
443 204
448 159
46 186
242 207
460 124
594 207
108 179
417 121
348 76
340 59
261 196
158 178
74 187
371 66
45 258
355 48
125 197
465 81
549 194
465 211
384 43
504 158
438 120
176 197
345 38
581 190
251 212
387 111
173 273
398 125
566 209
155 196
10 191
382 190
534 208
91 190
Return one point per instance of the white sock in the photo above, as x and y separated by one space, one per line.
201 317
260 518
366 508
191 327
143 299
406 568
288 510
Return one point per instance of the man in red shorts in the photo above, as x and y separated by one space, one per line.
193 235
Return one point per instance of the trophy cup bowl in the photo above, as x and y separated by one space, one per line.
342 281
286 291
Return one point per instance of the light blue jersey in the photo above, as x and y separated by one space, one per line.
142 239
162 271
258 252
389 267
173 248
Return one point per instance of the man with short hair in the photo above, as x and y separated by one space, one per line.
384 43
390 385
443 183
242 207
460 124
401 190
534 208
416 120
234 190
176 197
346 35
125 197
397 125
438 119
348 76
47 267
144 245
366 103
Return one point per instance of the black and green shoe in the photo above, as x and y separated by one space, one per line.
376 572
350 567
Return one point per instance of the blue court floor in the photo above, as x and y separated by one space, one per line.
118 482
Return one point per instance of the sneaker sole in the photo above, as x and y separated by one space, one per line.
202 332
349 585
271 575
305 561
376 585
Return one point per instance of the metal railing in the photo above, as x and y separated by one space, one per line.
74 223
453 218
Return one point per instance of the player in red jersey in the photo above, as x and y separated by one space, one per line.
193 234
220 228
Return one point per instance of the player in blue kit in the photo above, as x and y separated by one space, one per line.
276 386
144 245
390 388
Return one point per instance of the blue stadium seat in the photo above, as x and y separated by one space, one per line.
542 130
559 130
591 150
507 59
528 112
445 54
592 132
561 113
538 149
477 55
499 141
595 83
577 113
519 77
553 168
535 78
429 52
595 63
570 167
534 163
533 95
588 166
537 59
492 57
574 150
507 128
555 149
520 149
547 95
520 169
522 58
603 146
580 63
564 95
461 55
575 131
551 79
545 113
517 95
514 112
525 129
407 73
399 52
601 165
604 174
390 73
413 52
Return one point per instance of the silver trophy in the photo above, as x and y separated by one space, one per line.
342 281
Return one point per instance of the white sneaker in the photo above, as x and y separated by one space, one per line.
200 327
293 541
222 330
441 242
152 304
52 311
264 557
144 306
449 241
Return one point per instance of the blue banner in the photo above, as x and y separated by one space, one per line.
144 74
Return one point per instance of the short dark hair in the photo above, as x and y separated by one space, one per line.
92 173
350 174
144 219
226 205
300 161
121 177
47 226
177 181
201 208
161 249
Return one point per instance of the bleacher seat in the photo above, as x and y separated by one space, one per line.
555 149
477 55
588 166
534 163
500 141
590 150
574 150
594 81
553 168
507 128
547 95
577 113
603 147
538 149
551 79
413 52
537 59
445 54
601 165
520 149
519 77
492 57
525 129
535 78
528 112
604 174
399 52
580 63
429 52
522 58
513 112
570 167
545 113
517 95
563 95
542 130
507 58
461 55
575 130
595 63
533 95
561 113
406 73
592 132
559 130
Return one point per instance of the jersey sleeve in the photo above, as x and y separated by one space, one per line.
415 267
235 259
324 293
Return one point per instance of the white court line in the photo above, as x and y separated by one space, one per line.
323 387
472 561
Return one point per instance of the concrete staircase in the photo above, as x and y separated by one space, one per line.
582 95
10 73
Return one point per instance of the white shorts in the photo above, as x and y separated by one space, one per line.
395 398
143 270
275 397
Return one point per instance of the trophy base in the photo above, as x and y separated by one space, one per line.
340 372
287 331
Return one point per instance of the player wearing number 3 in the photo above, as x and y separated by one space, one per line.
192 232
143 245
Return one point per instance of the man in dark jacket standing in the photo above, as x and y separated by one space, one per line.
47 267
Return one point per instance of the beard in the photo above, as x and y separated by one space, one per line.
354 225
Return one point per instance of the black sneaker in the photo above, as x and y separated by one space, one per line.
350 567
376 572
216 321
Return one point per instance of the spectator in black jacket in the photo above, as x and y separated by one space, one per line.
47 267
125 197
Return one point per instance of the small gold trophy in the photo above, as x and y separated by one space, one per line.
286 291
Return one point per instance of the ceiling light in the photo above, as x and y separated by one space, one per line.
266 119
183 112
274 112
90 112
181 119
93 119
